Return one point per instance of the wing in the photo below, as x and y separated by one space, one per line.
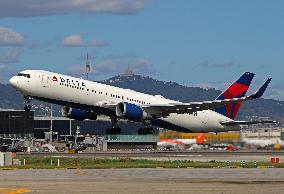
162 110
234 123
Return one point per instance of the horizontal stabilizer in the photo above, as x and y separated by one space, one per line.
261 90
233 123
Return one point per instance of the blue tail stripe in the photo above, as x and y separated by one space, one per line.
246 78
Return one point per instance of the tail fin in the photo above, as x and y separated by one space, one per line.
200 138
237 90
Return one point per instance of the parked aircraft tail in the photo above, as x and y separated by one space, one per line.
237 89
200 138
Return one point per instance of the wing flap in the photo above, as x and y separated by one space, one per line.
234 123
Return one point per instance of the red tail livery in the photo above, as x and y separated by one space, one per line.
237 90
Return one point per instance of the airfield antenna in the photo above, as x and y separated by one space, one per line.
88 66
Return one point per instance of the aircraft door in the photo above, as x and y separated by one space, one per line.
45 80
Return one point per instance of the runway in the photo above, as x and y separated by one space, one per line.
158 181
150 180
172 155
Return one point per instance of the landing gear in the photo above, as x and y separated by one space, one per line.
145 131
27 106
114 130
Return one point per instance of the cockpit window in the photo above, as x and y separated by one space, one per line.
24 75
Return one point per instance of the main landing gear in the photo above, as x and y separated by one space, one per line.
27 106
114 130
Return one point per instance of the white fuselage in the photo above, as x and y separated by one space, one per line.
57 88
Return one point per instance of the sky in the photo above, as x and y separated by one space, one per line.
193 42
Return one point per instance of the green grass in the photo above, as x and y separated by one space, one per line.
88 163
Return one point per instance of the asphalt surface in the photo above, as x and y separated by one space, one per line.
171 155
128 181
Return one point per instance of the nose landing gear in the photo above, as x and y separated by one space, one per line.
27 106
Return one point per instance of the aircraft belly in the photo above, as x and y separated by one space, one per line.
195 123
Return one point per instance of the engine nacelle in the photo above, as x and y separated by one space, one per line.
77 114
130 111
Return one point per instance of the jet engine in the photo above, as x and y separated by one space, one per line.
131 111
78 114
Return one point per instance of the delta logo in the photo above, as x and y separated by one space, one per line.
54 79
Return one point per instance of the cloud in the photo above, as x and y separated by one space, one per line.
76 40
142 66
226 64
102 68
106 67
8 37
30 8
11 56
208 85
73 40
76 70
275 91
39 44
3 68
113 67
121 56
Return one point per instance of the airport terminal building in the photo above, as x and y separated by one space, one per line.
16 124
21 124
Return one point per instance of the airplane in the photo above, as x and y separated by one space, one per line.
261 143
180 144
82 99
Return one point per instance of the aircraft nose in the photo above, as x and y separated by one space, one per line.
13 81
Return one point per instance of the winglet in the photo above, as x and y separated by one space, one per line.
261 90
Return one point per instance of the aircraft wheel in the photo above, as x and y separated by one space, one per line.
142 131
108 131
27 108
117 130
149 130
113 131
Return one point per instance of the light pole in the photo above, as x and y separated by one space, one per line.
77 134
51 123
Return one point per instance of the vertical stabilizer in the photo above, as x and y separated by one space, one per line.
237 89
